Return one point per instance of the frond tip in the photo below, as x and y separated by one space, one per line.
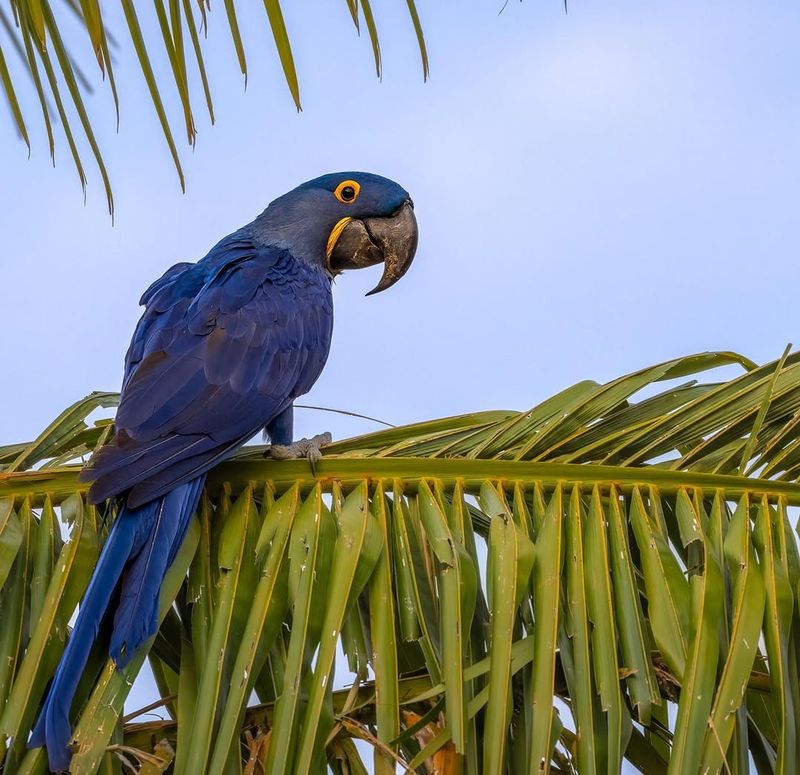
35 31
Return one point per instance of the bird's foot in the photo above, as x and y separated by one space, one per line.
311 449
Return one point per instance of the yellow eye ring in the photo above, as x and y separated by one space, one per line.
347 191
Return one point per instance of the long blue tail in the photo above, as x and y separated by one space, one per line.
140 548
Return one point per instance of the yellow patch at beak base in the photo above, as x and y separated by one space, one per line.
336 232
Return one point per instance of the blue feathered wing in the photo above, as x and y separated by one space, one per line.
223 347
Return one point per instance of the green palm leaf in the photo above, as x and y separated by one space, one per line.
36 32
559 589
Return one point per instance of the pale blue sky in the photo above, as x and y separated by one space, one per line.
596 191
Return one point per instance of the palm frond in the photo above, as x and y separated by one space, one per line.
590 581
33 28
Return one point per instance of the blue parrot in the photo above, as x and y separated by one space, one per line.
223 348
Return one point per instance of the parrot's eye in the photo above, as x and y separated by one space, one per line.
347 191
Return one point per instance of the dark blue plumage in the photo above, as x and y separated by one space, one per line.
222 350
224 346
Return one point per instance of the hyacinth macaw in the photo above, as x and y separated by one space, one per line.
222 350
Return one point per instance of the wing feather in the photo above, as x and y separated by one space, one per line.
222 348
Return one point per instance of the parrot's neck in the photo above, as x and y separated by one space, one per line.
283 227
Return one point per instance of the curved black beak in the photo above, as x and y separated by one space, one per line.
391 240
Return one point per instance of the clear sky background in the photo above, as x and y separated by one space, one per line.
596 191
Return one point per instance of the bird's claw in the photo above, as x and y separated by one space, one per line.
311 449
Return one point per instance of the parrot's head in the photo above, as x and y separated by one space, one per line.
348 220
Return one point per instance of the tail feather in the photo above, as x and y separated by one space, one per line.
136 617
141 546
53 724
